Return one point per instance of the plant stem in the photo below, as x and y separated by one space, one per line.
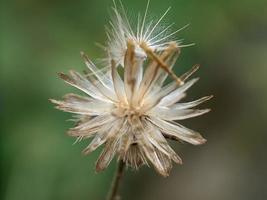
113 194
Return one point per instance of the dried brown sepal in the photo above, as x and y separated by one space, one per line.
161 63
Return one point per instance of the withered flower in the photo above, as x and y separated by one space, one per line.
134 113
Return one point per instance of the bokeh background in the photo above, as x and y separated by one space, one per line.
42 37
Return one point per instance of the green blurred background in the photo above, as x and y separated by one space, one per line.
40 38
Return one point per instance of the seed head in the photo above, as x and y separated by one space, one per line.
133 114
154 34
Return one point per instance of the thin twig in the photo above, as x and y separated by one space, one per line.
113 194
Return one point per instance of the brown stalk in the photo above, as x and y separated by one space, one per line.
113 194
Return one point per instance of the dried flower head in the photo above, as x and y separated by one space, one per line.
133 114
154 34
